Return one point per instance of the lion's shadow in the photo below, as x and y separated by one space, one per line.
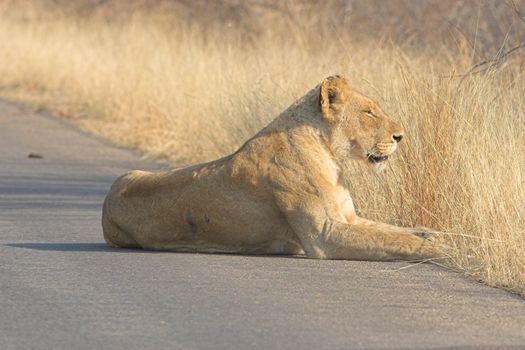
70 247
103 247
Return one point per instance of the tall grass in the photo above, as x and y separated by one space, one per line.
181 91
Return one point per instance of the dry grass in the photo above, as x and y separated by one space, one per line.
190 93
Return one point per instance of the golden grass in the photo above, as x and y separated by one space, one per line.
189 94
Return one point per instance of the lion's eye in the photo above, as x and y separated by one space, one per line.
370 113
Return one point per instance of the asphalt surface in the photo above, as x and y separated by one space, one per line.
61 287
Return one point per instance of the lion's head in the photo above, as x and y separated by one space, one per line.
358 127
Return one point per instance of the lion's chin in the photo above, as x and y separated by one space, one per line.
377 163
379 167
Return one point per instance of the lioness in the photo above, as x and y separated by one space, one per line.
280 193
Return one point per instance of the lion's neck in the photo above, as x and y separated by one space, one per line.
316 154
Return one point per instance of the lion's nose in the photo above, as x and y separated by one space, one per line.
397 138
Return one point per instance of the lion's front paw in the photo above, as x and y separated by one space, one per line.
423 232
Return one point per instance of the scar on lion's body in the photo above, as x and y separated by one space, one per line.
188 216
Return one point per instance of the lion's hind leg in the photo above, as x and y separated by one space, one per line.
115 237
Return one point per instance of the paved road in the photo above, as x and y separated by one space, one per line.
61 287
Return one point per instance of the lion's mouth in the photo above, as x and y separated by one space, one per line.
376 159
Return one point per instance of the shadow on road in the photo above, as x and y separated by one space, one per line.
71 247
103 247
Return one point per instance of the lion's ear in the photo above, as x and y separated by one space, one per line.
332 95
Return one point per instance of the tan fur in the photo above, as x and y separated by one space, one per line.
280 193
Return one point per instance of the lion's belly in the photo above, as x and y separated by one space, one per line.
237 223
